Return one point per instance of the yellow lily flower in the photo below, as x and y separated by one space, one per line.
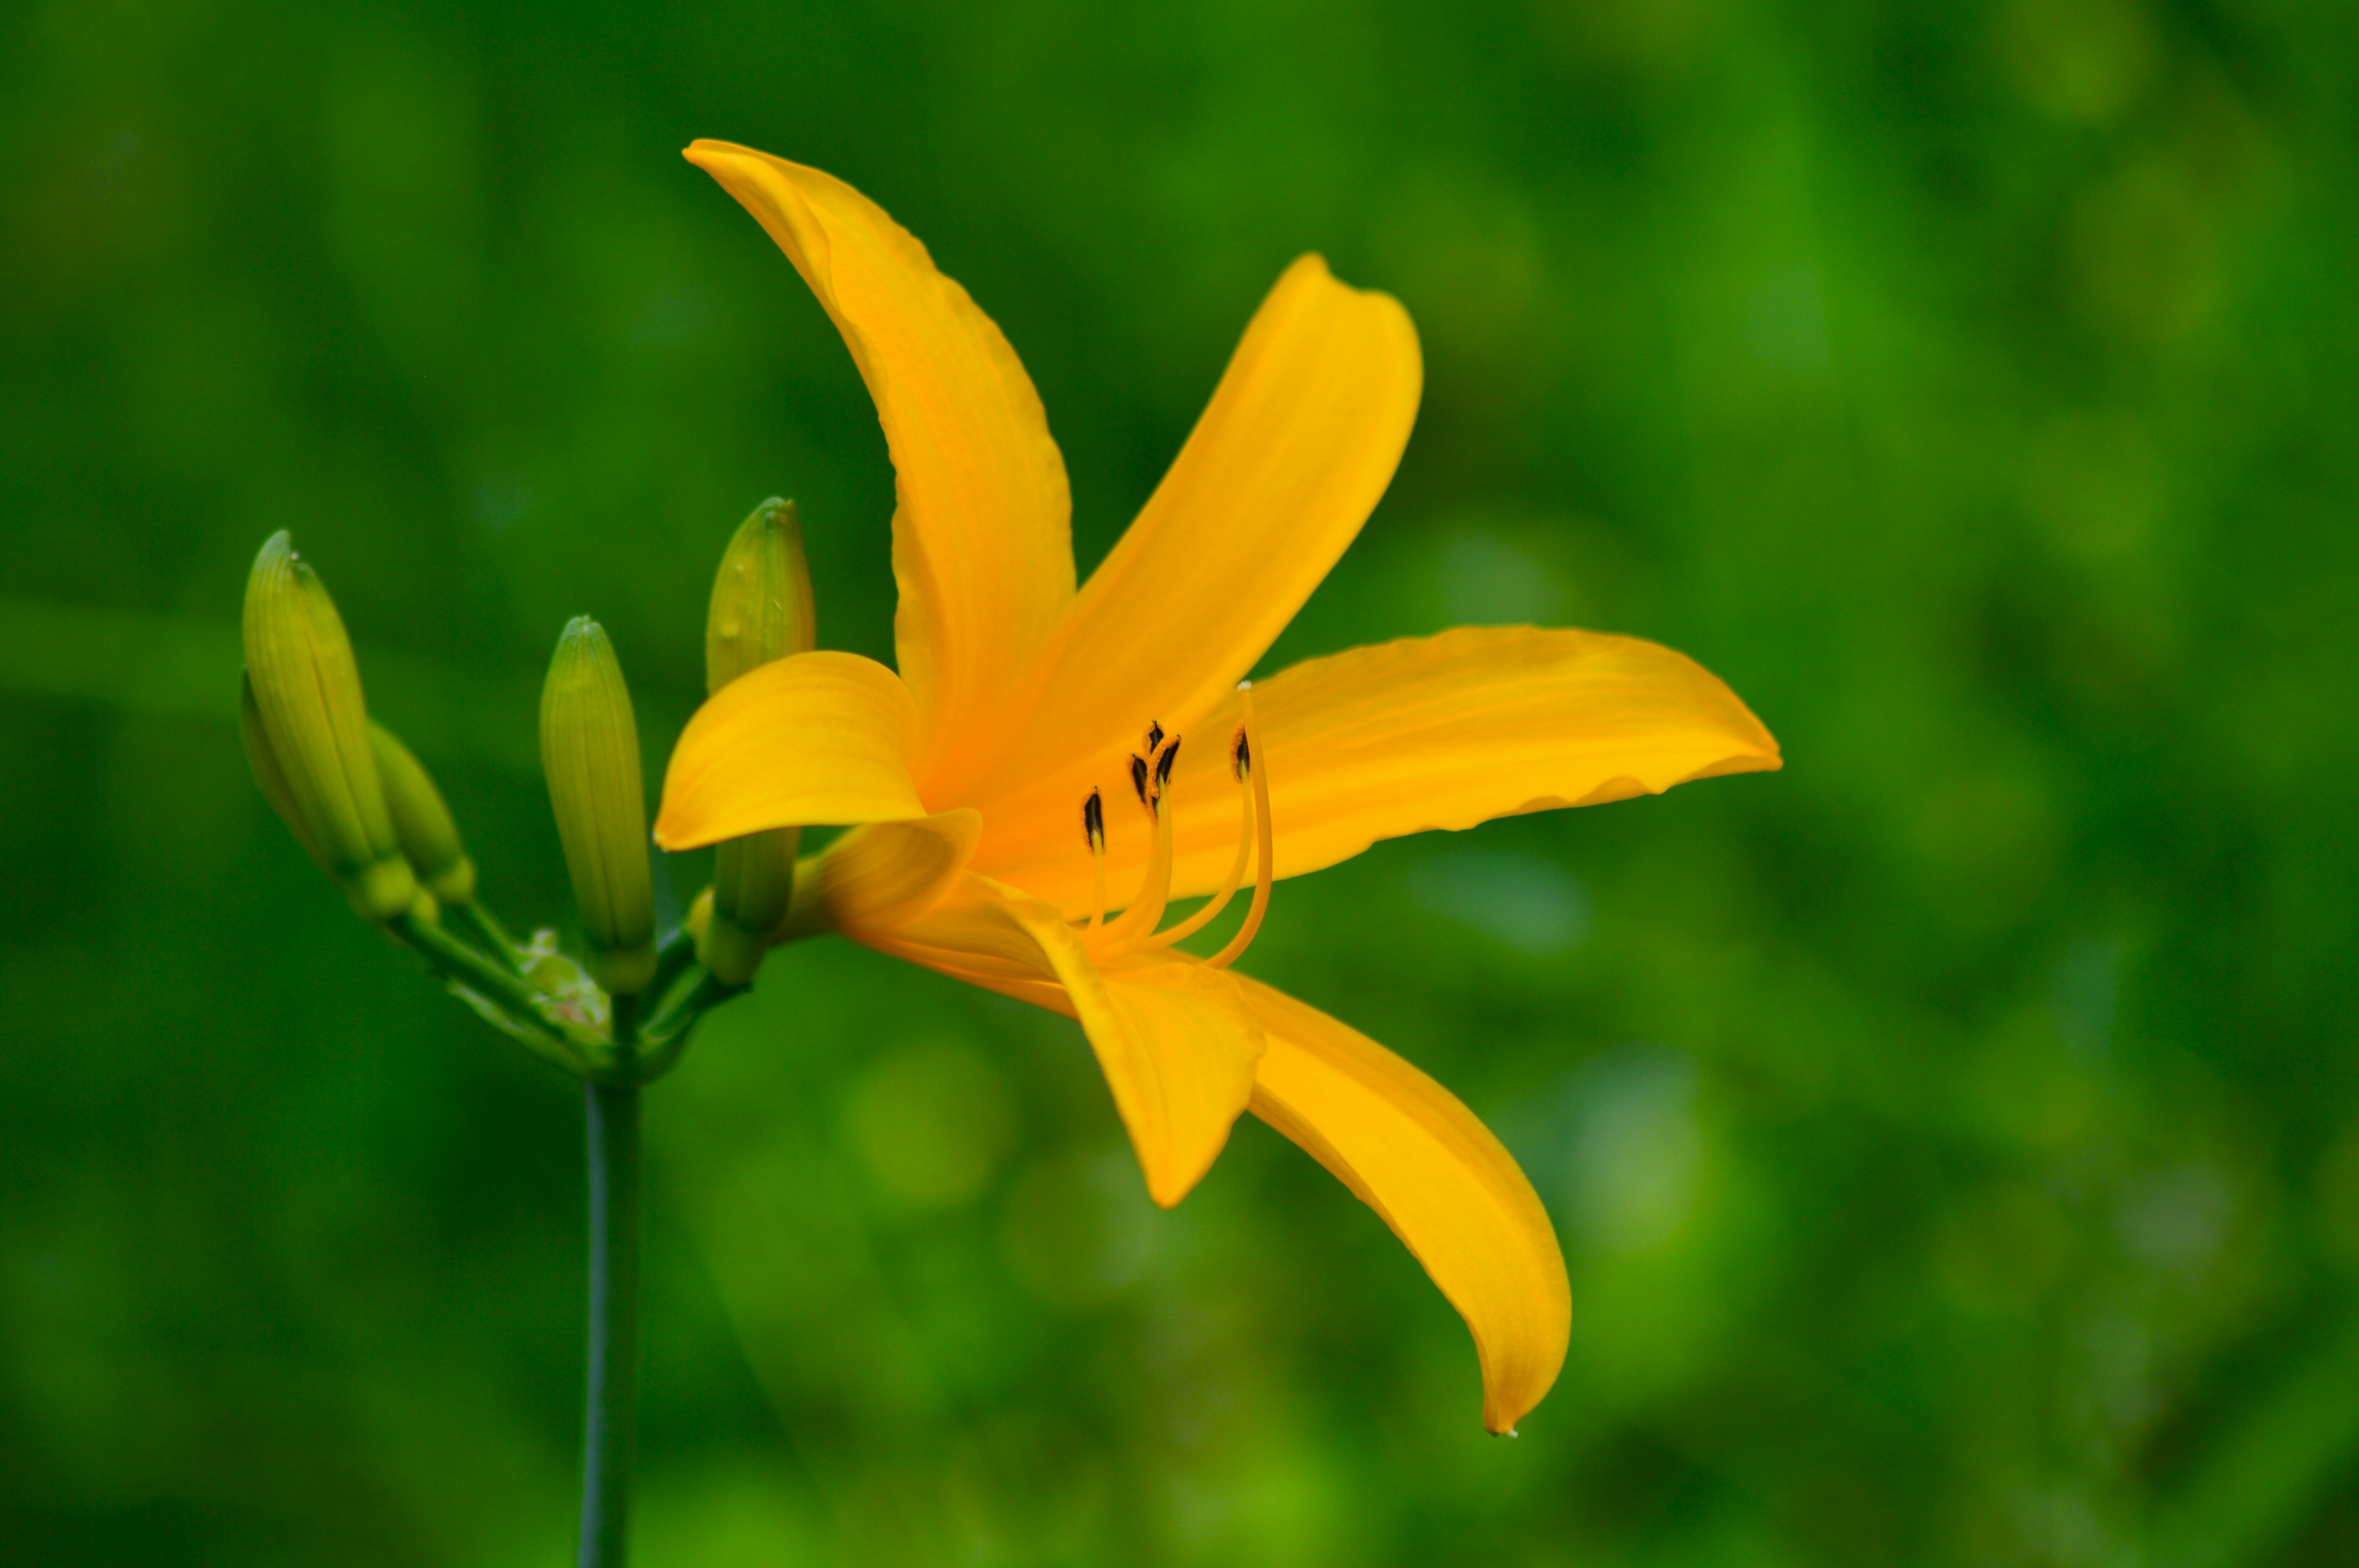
1027 757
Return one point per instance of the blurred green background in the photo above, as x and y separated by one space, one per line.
1954 1139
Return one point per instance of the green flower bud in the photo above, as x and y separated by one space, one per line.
761 597
589 751
429 839
314 725
761 610
268 774
753 880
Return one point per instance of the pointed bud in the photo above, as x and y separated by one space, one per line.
761 612
589 751
268 774
761 597
314 724
429 839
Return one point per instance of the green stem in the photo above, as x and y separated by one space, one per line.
672 960
708 991
495 936
611 1429
455 957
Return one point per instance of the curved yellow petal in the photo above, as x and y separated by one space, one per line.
1174 1039
981 545
1423 1161
818 738
968 935
1178 1049
1425 733
887 874
1294 450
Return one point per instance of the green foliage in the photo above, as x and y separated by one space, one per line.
1954 1138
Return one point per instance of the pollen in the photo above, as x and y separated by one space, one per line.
1093 829
1136 929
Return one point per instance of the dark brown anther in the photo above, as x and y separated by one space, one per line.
1163 765
1138 780
1240 756
1154 736
1093 822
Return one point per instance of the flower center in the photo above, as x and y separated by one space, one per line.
1133 930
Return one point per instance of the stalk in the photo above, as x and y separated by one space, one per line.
495 936
500 982
610 1431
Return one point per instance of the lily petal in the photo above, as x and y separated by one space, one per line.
887 874
969 935
1297 445
981 542
818 738
1425 733
1174 1039
1410 1150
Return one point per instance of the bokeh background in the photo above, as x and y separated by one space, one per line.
1954 1139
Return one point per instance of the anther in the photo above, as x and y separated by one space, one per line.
1240 756
1138 780
1154 736
1163 766
1093 829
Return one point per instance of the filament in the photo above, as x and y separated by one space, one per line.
1229 884
1146 911
1097 903
1256 769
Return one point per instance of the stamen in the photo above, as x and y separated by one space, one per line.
1146 911
1150 779
1264 838
1094 827
1229 884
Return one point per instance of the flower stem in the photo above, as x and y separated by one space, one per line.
672 960
610 1431
454 957
494 935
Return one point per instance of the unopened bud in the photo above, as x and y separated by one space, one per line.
753 880
268 774
589 751
308 704
429 835
761 597
761 612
